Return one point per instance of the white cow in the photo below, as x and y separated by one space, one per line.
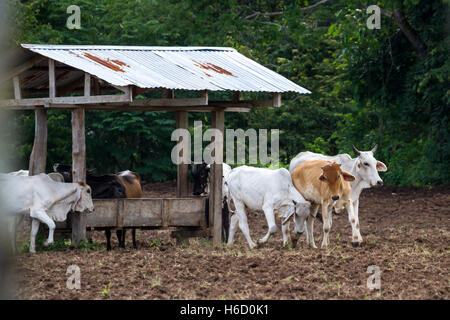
364 168
23 173
268 190
55 176
44 199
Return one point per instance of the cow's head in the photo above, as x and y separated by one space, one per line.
333 176
200 174
65 170
302 210
367 166
298 212
83 199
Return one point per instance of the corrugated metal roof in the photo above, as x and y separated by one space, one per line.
188 68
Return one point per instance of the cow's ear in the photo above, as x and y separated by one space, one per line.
322 178
381 166
348 176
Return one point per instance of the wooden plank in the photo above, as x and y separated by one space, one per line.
87 84
145 212
19 104
23 67
216 167
202 101
38 156
182 169
79 220
17 91
277 99
242 103
212 182
184 212
51 78
142 212
104 214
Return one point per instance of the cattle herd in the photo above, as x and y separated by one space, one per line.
313 180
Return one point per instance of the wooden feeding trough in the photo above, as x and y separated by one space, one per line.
145 213
85 78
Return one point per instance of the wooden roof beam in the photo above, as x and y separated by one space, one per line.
24 66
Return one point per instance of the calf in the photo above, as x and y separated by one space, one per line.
323 183
270 191
44 200
125 184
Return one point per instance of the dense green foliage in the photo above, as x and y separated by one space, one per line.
368 86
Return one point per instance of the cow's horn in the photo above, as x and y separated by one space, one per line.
356 150
375 149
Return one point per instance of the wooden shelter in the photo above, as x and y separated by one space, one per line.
83 78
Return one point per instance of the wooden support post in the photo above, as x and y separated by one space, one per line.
236 95
216 174
78 170
277 100
87 84
38 156
17 91
51 78
182 121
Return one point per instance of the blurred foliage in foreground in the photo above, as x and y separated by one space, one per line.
387 86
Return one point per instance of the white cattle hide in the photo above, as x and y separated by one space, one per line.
270 191
43 199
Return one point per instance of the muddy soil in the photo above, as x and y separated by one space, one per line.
406 234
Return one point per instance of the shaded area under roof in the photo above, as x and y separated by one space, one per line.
185 68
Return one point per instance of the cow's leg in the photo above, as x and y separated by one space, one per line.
326 212
89 234
225 222
310 225
12 227
34 230
272 227
286 234
121 237
243 223
133 235
233 224
42 216
108 239
356 213
353 219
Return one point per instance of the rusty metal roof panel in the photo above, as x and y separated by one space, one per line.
188 68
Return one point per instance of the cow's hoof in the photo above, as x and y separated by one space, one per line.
355 244
46 244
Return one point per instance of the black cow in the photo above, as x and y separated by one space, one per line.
107 186
200 174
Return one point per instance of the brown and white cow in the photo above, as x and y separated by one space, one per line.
323 183
125 184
